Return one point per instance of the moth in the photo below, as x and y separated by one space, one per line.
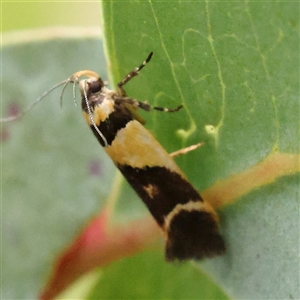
189 224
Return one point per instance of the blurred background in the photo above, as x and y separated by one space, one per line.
30 15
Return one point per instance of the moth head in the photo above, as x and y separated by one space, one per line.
92 85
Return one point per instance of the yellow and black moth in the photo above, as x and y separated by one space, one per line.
190 225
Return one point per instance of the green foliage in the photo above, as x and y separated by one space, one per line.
36 14
49 191
147 276
235 68
233 65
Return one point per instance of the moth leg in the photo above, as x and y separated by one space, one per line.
186 150
132 74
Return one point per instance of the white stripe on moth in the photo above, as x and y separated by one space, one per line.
189 206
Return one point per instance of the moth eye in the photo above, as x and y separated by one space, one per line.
95 86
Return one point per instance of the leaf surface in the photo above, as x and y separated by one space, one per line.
235 68
55 176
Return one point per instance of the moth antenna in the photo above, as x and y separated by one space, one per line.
26 110
74 92
73 79
91 116
63 91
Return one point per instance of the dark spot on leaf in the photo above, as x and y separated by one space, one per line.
13 109
94 168
4 134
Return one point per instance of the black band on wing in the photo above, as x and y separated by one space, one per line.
160 189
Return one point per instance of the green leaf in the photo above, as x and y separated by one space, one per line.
235 68
55 176
147 276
